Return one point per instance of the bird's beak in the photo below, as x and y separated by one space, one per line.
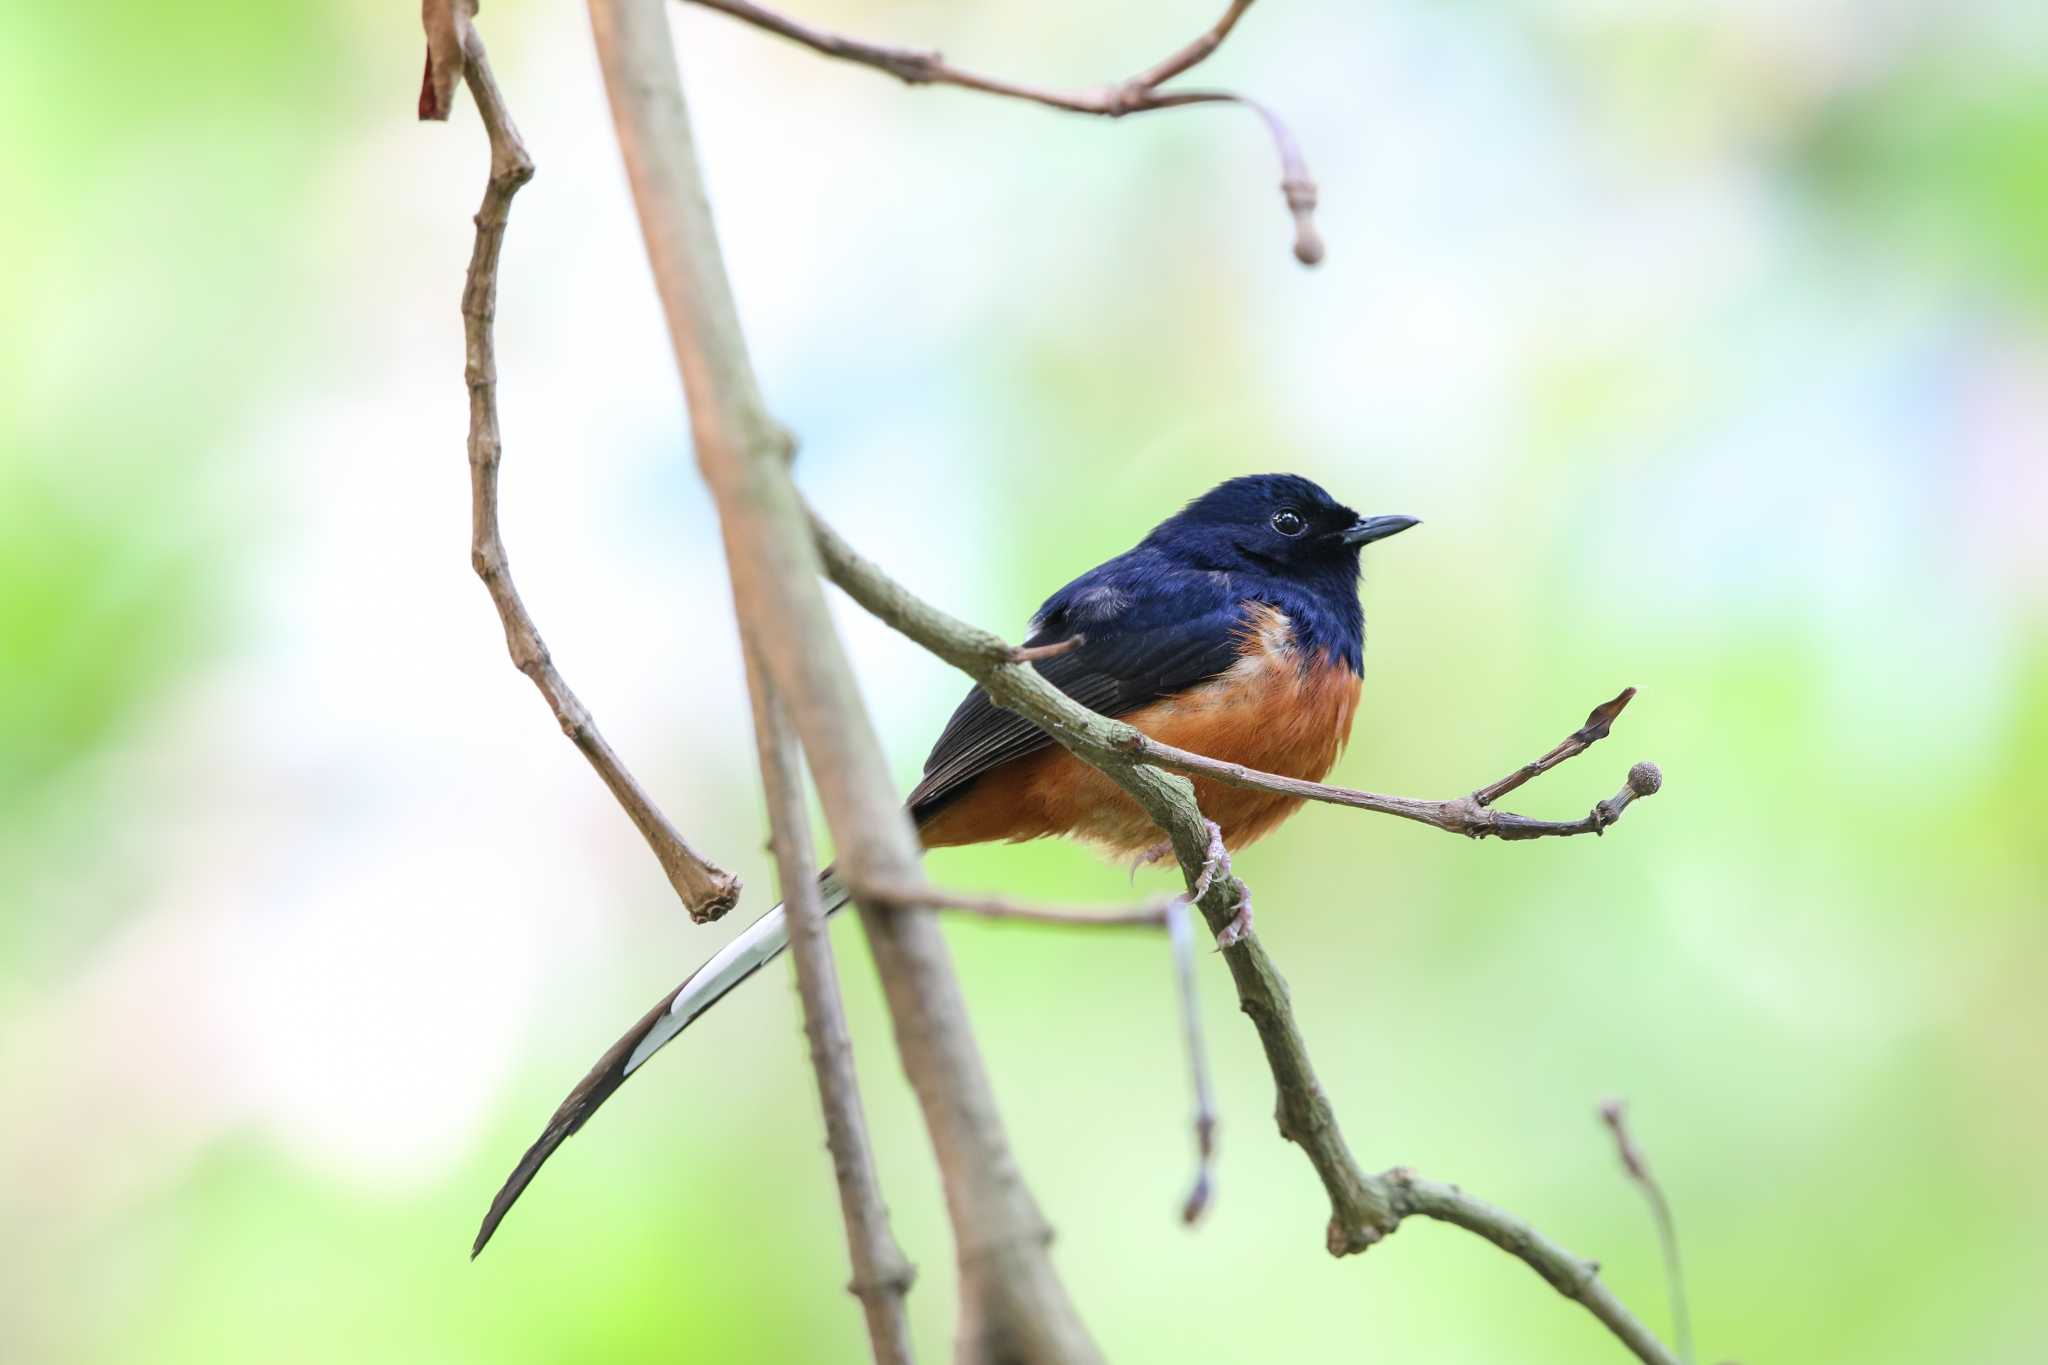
1366 530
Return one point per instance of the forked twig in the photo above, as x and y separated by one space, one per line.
1471 815
1137 94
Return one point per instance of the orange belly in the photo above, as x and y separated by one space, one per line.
1265 713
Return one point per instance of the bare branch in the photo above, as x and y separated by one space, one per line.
1468 815
1363 1208
1575 1279
1633 1161
707 890
1138 94
1169 913
1599 722
1195 52
1151 915
1013 1306
1182 935
881 1274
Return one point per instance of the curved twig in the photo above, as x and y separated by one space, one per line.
1137 94
707 890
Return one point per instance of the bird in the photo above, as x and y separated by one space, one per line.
1233 629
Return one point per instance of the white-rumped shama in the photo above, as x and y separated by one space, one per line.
1233 630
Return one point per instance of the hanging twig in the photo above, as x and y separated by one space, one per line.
1137 94
707 890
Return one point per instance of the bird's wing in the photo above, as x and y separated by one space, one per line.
1149 651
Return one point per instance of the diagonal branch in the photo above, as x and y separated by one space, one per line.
1575 1279
881 1273
1013 1306
1195 52
707 890
1364 1208
1137 94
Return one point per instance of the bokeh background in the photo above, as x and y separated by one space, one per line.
1710 340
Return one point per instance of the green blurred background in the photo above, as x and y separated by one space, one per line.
1710 341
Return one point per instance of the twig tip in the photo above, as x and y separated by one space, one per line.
1645 779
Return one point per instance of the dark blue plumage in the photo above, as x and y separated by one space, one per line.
1172 612
1200 565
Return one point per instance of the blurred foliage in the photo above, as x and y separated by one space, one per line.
1707 340
1945 156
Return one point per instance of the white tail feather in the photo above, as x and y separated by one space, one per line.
754 948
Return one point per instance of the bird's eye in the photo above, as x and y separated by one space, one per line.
1288 522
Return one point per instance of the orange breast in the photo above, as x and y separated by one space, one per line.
1267 712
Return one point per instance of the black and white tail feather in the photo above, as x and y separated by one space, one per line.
752 949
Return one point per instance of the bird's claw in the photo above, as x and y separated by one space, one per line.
1216 864
1232 934
1215 860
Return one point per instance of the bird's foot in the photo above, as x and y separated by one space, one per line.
1216 858
1217 864
1240 924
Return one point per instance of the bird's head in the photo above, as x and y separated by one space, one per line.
1273 523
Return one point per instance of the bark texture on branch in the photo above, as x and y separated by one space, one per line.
1013 1307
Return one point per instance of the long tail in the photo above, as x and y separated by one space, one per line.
756 946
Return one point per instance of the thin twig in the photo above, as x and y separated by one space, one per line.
1575 1279
1169 913
1195 52
1471 815
1137 94
1181 934
1637 1165
707 890
881 1273
1599 723
1151 915
1364 1208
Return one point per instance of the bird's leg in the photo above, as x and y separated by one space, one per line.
1218 862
